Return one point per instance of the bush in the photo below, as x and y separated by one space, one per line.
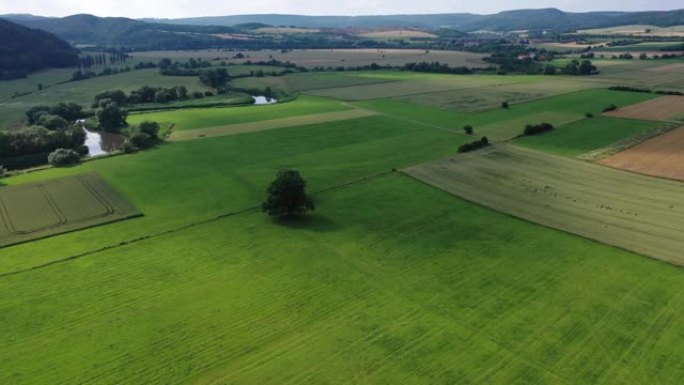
128 148
505 105
589 115
468 129
611 107
532 129
63 157
484 142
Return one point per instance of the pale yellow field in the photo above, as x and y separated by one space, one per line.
397 34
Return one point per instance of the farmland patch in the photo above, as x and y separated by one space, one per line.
662 156
662 108
37 210
634 212
233 129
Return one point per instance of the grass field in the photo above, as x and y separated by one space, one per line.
38 210
313 80
586 135
398 34
390 282
661 156
501 124
189 119
301 120
188 181
634 212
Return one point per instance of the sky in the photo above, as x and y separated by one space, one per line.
194 8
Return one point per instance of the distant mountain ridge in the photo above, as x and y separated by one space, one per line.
547 18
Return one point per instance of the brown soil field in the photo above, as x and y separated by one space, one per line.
397 34
663 108
662 156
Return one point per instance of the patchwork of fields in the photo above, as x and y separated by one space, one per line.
391 280
41 209
638 213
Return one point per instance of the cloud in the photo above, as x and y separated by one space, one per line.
193 8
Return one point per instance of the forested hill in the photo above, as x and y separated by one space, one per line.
549 18
120 31
23 50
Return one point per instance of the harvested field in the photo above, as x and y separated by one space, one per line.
38 210
662 156
667 68
633 212
663 109
233 129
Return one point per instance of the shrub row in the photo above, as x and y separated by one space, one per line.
645 90
472 146
536 129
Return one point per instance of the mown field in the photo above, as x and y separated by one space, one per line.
627 210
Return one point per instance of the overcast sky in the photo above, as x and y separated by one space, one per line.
192 8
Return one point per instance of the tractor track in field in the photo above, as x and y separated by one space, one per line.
182 228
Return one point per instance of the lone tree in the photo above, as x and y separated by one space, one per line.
505 105
287 196
468 129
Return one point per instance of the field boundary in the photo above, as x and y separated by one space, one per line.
264 125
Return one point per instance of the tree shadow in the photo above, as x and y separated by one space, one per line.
313 223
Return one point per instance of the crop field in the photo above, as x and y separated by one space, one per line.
330 57
663 108
38 210
640 73
189 119
390 281
634 212
662 156
301 120
502 124
587 135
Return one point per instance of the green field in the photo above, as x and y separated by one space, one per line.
390 282
189 119
41 209
586 135
312 80
501 124
634 212
184 182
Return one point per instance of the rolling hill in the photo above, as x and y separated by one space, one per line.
23 50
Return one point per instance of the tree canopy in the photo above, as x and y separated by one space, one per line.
287 196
